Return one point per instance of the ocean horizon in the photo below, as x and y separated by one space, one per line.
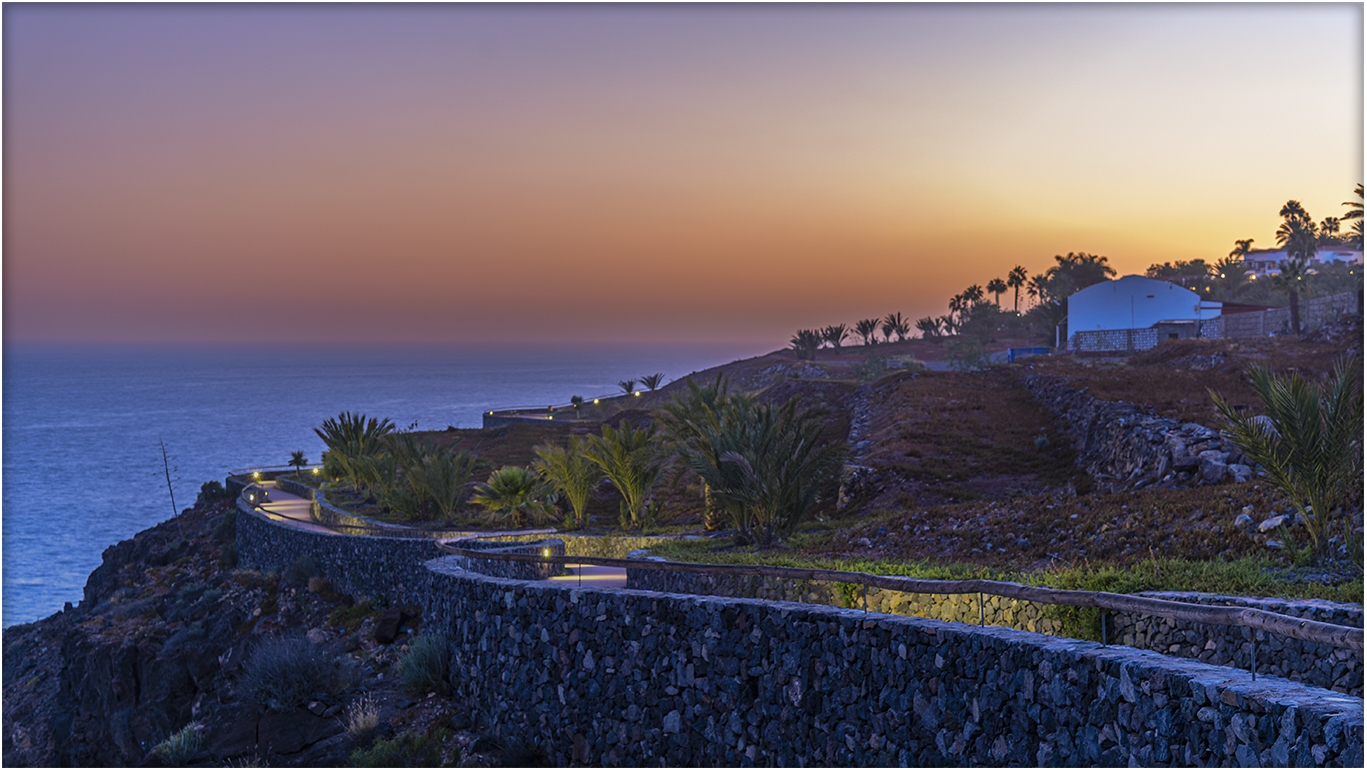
83 425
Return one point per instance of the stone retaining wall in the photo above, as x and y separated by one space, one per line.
624 677
523 571
1319 665
372 566
1124 448
995 611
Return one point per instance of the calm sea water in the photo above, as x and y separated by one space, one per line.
82 466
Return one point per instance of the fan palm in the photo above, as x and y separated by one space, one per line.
572 473
517 495
1309 444
1016 279
630 458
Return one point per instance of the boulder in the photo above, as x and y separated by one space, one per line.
1213 467
1243 520
387 626
1241 472
1272 523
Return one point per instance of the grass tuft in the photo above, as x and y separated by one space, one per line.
426 667
179 747
283 673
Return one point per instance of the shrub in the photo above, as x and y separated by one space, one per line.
284 672
350 618
362 718
427 666
407 750
179 747
211 491
301 571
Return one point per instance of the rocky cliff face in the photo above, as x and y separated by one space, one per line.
1124 447
160 642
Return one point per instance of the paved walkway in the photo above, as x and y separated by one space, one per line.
293 511
290 509
593 575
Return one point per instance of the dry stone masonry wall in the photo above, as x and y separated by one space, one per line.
1319 665
1124 448
994 611
624 677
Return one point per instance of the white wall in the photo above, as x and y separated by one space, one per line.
1132 302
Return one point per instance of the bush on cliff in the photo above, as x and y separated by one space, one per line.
283 673
426 667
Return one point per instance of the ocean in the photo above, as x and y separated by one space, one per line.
82 464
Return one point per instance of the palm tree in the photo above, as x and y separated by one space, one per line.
1038 288
805 343
1329 232
997 287
1298 236
1354 213
441 475
352 437
867 328
515 494
1241 248
630 458
766 465
929 328
1016 279
973 295
1232 276
1309 444
572 473
835 335
628 386
653 381
298 460
893 323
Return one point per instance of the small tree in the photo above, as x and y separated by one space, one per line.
628 386
1309 444
298 460
653 381
929 328
894 324
573 474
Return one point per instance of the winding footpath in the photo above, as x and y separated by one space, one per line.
294 511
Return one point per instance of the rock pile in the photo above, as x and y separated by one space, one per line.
1124 447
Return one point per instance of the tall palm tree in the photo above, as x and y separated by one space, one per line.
973 295
997 287
1299 236
1354 213
1016 279
1241 248
867 328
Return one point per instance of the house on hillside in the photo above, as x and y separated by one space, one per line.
1266 262
1135 313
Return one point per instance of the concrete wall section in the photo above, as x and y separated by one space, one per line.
623 677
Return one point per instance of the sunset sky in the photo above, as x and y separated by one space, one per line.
634 173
